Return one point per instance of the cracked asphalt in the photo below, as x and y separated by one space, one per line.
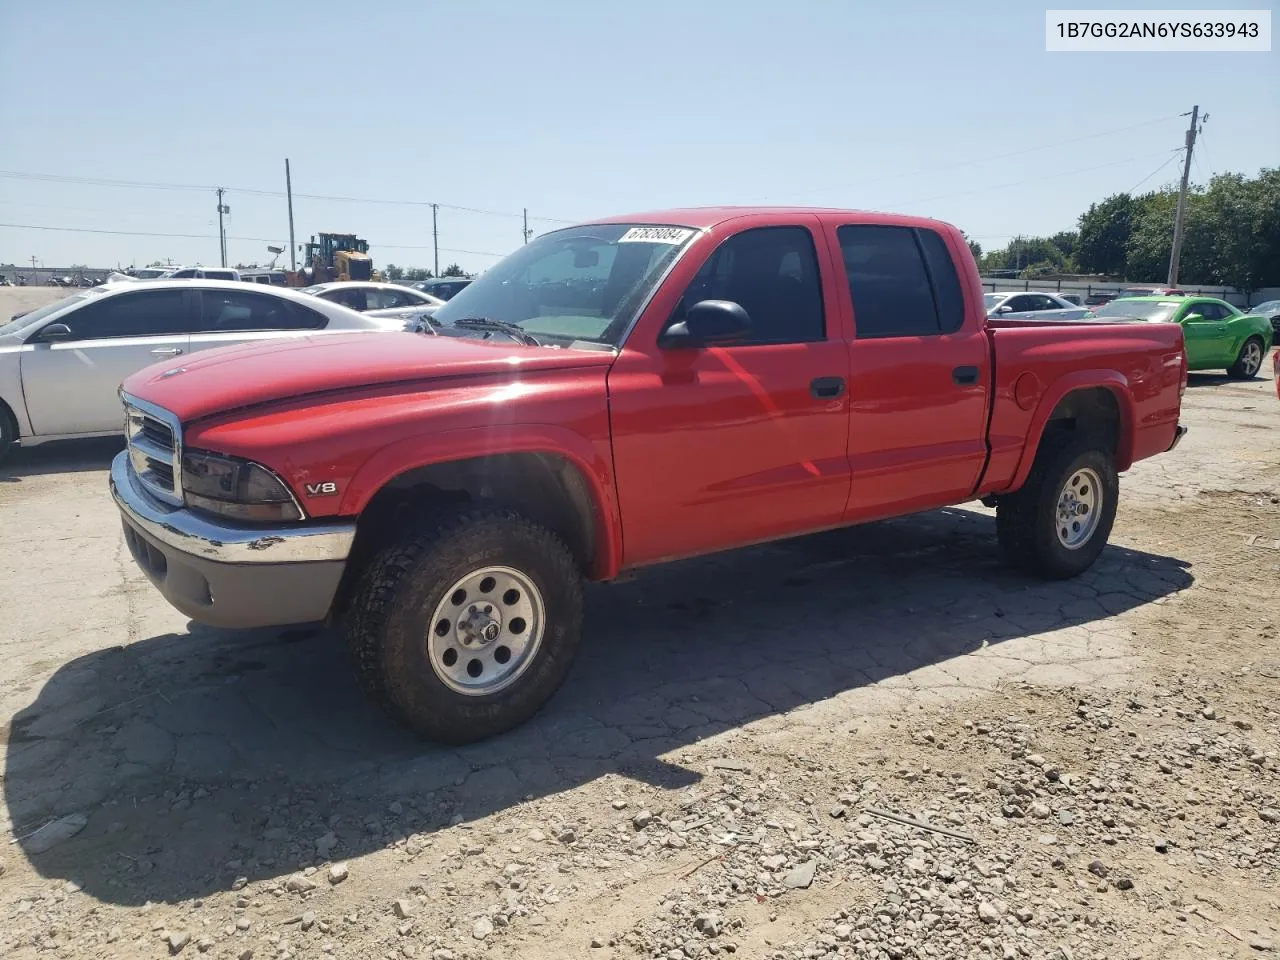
187 748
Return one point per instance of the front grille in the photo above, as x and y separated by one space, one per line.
155 449
162 473
161 434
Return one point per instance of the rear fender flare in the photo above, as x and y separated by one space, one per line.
1111 380
411 453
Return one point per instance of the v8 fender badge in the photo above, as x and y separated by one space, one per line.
326 489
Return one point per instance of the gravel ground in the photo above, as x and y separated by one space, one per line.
876 743
18 299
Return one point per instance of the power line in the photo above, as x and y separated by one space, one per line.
209 236
1207 161
1173 155
1018 183
997 156
253 191
186 218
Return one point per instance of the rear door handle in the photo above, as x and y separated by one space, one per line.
965 376
166 351
826 388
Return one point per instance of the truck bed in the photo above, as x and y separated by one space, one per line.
1141 364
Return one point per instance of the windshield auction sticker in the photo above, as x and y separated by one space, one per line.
656 235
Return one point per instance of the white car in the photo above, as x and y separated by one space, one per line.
200 273
1032 304
60 365
365 295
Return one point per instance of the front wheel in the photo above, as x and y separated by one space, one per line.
1059 522
465 628
1249 362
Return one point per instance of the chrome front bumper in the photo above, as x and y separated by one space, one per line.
228 575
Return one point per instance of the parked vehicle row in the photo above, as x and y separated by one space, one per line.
443 288
1271 311
363 297
613 395
1218 336
62 364
1043 306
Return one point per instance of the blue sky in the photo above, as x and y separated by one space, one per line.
578 109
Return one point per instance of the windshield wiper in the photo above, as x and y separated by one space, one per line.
488 323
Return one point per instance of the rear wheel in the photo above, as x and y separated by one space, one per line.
1249 362
467 627
1059 522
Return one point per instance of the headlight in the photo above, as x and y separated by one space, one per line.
231 487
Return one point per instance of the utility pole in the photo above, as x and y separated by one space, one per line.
222 231
288 189
435 239
526 231
1179 219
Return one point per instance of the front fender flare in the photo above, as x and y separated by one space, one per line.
424 450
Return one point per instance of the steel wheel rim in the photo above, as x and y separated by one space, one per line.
1079 508
486 631
1252 357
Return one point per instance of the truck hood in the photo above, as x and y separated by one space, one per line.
228 378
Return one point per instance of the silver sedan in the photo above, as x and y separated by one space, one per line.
1032 305
364 295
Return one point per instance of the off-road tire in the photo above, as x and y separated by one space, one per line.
391 614
1026 521
1238 369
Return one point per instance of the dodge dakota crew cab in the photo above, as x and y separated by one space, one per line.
617 394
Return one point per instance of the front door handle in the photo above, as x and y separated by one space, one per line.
166 351
826 388
965 376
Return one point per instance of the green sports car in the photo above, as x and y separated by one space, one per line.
1218 336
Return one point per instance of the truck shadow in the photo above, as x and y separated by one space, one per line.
60 456
199 758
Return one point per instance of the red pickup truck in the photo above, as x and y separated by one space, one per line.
617 394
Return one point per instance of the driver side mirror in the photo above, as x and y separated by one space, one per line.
1192 317
53 333
1004 308
708 323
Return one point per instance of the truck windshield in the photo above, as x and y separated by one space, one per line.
582 283
1157 311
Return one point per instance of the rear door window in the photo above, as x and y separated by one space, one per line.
229 310
389 299
902 281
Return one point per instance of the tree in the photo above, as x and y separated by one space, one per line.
1151 239
393 273
1066 241
1242 219
453 270
1105 228
975 247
